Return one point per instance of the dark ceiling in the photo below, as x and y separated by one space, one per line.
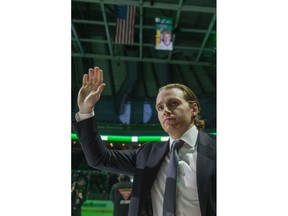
133 73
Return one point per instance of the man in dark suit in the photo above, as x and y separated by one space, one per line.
178 110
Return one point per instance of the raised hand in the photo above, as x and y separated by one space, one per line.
90 92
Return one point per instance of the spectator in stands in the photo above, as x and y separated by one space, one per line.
78 193
120 195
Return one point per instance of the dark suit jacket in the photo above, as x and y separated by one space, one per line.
143 163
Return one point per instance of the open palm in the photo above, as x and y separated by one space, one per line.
90 92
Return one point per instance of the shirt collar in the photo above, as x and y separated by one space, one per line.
189 137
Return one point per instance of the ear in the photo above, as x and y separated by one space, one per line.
194 109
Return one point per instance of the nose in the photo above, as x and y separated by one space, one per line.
166 110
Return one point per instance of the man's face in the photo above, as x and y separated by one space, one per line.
166 38
174 112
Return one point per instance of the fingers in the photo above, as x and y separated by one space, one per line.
85 80
91 75
99 75
94 77
100 84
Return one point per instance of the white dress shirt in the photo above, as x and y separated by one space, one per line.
187 201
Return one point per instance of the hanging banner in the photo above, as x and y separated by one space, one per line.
163 38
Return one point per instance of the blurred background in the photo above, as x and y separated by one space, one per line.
134 70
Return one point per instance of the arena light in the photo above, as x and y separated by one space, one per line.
114 138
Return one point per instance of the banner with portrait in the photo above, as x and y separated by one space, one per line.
163 37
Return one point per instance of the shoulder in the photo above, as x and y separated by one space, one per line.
151 146
151 151
206 139
207 144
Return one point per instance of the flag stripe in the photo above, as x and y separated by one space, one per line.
125 24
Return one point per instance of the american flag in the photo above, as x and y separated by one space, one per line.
125 24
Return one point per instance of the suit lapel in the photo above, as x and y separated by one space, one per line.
145 176
157 155
154 162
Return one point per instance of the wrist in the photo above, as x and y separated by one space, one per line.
80 116
86 110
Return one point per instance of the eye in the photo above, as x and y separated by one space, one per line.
160 108
173 103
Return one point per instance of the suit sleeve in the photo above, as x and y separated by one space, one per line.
98 155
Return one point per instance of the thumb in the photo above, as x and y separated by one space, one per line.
100 88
